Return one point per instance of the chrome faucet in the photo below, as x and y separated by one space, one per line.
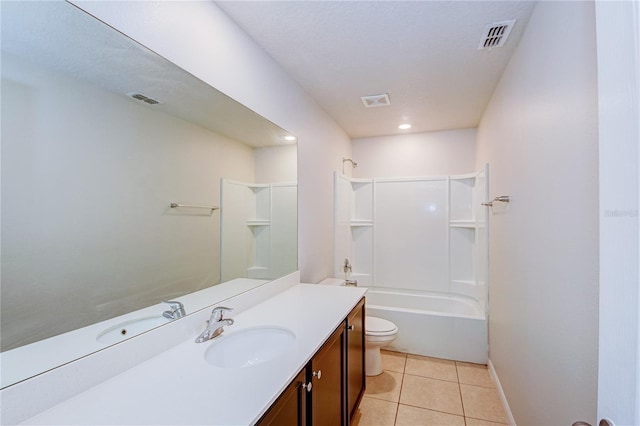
215 325
347 270
177 310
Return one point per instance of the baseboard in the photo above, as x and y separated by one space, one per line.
503 398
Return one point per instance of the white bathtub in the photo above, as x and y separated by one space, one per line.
449 327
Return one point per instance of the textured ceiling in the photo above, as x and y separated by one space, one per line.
423 53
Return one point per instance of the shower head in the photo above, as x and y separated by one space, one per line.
353 163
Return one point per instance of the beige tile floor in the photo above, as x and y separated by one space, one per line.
420 391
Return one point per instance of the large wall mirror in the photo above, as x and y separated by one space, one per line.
99 136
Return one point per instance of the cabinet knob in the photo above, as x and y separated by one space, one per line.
350 327
307 386
317 374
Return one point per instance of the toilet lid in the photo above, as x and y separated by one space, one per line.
375 325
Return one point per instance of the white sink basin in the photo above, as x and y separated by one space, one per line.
126 329
246 348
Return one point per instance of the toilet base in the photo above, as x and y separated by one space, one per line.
372 361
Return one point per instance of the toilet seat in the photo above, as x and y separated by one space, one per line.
379 327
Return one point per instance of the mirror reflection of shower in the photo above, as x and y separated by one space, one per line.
259 229
345 160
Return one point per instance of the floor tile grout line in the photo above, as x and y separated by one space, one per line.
478 386
431 409
404 368
484 420
460 392
395 420
382 399
432 378
492 386
464 413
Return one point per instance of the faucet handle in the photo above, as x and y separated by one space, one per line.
217 314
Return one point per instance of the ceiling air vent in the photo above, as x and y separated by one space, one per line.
142 98
373 101
495 35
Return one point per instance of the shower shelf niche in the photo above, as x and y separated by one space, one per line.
258 223
462 224
361 202
361 223
354 218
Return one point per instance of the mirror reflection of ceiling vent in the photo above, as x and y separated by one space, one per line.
495 35
142 98
372 101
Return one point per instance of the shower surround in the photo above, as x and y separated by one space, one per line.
420 245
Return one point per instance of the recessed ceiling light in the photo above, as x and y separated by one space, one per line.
404 126
289 138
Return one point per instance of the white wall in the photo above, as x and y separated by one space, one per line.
200 38
422 154
276 164
539 135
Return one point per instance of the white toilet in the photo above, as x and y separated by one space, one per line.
378 333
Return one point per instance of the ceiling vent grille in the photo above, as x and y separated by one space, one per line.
495 35
373 101
142 98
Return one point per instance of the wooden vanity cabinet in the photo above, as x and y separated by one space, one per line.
291 406
327 391
355 377
326 373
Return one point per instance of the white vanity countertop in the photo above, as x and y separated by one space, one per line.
178 387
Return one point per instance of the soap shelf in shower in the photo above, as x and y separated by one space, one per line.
361 223
462 224
258 222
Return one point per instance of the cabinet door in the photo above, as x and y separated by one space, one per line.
290 407
355 358
326 375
